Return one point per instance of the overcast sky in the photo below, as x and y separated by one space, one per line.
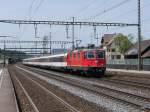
82 10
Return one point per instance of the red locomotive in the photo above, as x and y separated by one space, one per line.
86 61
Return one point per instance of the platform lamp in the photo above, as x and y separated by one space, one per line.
4 59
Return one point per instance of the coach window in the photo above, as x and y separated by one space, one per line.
61 59
49 59
54 59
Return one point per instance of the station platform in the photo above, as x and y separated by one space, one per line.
7 96
124 71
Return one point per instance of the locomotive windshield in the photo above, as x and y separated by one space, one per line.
95 54
89 55
100 54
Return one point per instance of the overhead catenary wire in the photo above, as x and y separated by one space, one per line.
146 20
31 15
85 7
122 15
104 2
134 10
30 8
109 9
38 6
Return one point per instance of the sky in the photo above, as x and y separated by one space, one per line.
64 10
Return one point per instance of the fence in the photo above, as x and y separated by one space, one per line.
128 64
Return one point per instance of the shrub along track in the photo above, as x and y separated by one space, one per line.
125 99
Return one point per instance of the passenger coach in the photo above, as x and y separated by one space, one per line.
85 61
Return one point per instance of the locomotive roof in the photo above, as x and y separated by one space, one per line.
50 56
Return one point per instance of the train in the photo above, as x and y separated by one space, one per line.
84 61
13 60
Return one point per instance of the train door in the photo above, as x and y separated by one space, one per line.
68 60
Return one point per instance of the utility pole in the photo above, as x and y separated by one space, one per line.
35 34
73 43
96 36
91 39
97 39
139 35
50 44
4 54
45 45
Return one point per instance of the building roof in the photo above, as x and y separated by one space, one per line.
145 45
146 54
107 38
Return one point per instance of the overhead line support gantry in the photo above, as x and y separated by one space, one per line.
67 23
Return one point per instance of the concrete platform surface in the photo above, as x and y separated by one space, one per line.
127 71
7 95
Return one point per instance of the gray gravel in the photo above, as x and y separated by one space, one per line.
100 100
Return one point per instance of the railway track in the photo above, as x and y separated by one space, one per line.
126 82
125 98
27 95
141 81
134 76
32 100
109 83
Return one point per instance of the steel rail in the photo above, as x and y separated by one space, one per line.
126 82
67 105
27 95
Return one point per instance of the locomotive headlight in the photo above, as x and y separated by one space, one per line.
96 62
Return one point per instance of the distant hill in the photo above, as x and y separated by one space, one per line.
12 54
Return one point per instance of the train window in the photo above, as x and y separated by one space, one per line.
90 54
100 54
49 59
57 59
61 59
43 60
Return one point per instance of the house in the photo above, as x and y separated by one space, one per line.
132 53
106 39
111 47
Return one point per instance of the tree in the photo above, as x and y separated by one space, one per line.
132 39
123 42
